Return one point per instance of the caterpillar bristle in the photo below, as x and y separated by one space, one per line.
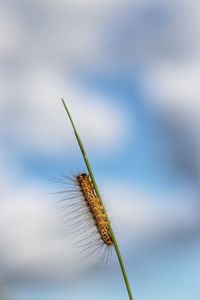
86 217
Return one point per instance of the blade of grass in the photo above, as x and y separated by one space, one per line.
99 196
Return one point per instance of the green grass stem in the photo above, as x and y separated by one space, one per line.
99 196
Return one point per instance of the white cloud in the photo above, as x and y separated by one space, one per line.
174 92
33 237
33 242
72 36
11 33
36 119
140 215
174 88
171 82
44 55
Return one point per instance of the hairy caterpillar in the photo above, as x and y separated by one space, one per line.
86 216
96 208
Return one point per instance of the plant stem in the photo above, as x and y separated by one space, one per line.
100 199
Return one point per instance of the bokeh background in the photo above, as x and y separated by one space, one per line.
129 71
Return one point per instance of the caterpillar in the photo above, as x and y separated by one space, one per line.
96 208
86 217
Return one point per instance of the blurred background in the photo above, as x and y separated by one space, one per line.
129 72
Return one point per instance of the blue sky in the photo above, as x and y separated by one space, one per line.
130 78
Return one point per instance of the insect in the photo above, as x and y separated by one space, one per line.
96 208
86 217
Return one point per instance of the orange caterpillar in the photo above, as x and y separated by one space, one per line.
85 217
96 208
